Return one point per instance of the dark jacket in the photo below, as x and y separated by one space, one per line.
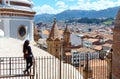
28 53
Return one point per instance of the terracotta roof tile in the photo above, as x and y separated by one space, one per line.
85 50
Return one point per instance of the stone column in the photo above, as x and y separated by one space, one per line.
6 24
116 54
31 36
116 48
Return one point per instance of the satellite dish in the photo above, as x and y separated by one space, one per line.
1 33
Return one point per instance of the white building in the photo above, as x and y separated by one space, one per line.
80 55
16 18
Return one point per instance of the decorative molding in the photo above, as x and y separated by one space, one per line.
19 4
10 12
15 10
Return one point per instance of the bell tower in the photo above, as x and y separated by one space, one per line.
54 41
116 48
66 38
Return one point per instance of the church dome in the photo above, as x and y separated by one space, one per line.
27 3
22 1
17 8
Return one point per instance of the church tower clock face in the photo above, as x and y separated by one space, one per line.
22 32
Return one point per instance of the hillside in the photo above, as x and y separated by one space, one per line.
68 14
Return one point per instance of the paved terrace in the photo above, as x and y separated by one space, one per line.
44 69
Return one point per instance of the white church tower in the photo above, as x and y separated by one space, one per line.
16 18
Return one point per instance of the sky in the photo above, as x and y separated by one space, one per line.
57 6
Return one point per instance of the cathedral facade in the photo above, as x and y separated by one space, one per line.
56 45
16 18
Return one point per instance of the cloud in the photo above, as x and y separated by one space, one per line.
44 9
61 4
80 4
47 9
96 5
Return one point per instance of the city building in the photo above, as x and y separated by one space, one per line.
79 55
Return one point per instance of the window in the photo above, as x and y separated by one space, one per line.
22 31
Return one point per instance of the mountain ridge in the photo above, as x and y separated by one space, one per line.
69 14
